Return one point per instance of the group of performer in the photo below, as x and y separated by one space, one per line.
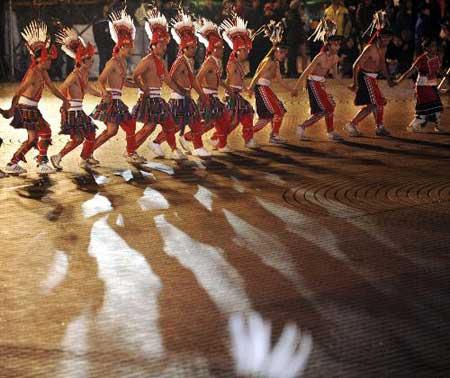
209 112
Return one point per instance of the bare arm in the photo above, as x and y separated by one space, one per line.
172 84
103 78
130 83
264 65
282 82
93 90
362 58
71 79
139 70
307 70
202 72
53 88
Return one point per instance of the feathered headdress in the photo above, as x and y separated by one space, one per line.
73 45
274 31
325 31
208 34
236 34
183 30
38 42
379 26
156 27
121 29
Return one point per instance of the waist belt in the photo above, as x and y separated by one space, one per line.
75 105
316 78
177 96
370 74
265 82
26 101
152 92
213 92
115 93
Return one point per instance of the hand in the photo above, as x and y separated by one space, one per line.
66 104
294 92
107 97
391 82
249 92
6 113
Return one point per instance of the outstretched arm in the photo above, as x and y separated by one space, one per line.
138 71
263 66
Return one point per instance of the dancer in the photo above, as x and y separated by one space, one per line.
237 36
428 102
183 107
149 75
24 105
320 101
268 106
213 112
365 72
112 110
74 121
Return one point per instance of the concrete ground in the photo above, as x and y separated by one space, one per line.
104 277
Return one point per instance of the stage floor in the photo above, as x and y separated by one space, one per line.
104 277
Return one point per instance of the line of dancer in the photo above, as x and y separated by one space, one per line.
209 112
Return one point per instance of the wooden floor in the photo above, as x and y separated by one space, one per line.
104 277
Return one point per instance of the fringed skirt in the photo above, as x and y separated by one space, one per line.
114 112
76 122
428 101
28 117
212 110
184 111
151 110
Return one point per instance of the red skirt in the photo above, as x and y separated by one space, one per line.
428 101
319 100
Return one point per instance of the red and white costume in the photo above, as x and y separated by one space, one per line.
115 111
74 121
236 35
151 109
213 112
26 113
182 106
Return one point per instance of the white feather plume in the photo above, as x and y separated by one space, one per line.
154 17
67 35
121 18
112 32
232 25
175 35
148 30
204 26
182 20
35 32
